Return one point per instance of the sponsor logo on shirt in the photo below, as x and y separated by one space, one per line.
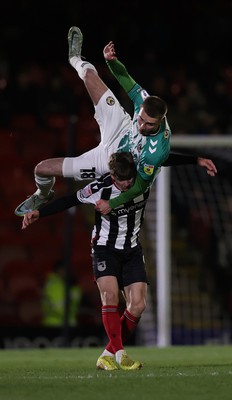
86 192
148 169
110 101
130 209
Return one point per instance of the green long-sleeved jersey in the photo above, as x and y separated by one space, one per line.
149 152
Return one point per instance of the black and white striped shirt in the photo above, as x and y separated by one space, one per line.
119 229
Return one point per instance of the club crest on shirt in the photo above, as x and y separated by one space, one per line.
143 93
148 169
166 134
110 100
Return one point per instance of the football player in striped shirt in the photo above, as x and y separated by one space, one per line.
118 261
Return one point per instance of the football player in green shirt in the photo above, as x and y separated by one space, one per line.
146 136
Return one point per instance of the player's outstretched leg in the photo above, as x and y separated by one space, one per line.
75 39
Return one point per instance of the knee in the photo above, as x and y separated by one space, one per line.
109 298
39 169
137 308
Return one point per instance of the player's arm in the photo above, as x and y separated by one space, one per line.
59 205
56 206
117 68
142 182
139 187
179 159
184 159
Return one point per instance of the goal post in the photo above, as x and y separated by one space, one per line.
183 183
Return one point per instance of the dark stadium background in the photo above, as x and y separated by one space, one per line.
168 47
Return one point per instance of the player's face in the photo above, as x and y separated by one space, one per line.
147 125
124 185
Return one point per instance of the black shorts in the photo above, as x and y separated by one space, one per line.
127 265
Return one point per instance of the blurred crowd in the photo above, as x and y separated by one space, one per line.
178 50
196 105
182 55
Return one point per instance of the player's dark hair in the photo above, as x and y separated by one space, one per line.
122 166
155 107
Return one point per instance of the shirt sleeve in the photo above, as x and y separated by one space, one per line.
120 72
139 187
59 205
90 194
179 159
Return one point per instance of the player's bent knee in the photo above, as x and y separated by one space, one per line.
39 168
137 309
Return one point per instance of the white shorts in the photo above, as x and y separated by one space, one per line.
114 123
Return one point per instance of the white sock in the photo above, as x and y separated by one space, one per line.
44 185
119 354
81 66
107 353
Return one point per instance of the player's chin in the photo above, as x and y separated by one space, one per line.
144 133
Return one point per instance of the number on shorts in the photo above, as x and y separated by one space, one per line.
88 173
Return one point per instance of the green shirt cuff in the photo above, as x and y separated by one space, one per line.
120 72
139 187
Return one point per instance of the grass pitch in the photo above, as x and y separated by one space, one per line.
175 373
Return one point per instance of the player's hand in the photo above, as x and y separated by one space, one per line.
103 207
29 218
109 52
208 164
